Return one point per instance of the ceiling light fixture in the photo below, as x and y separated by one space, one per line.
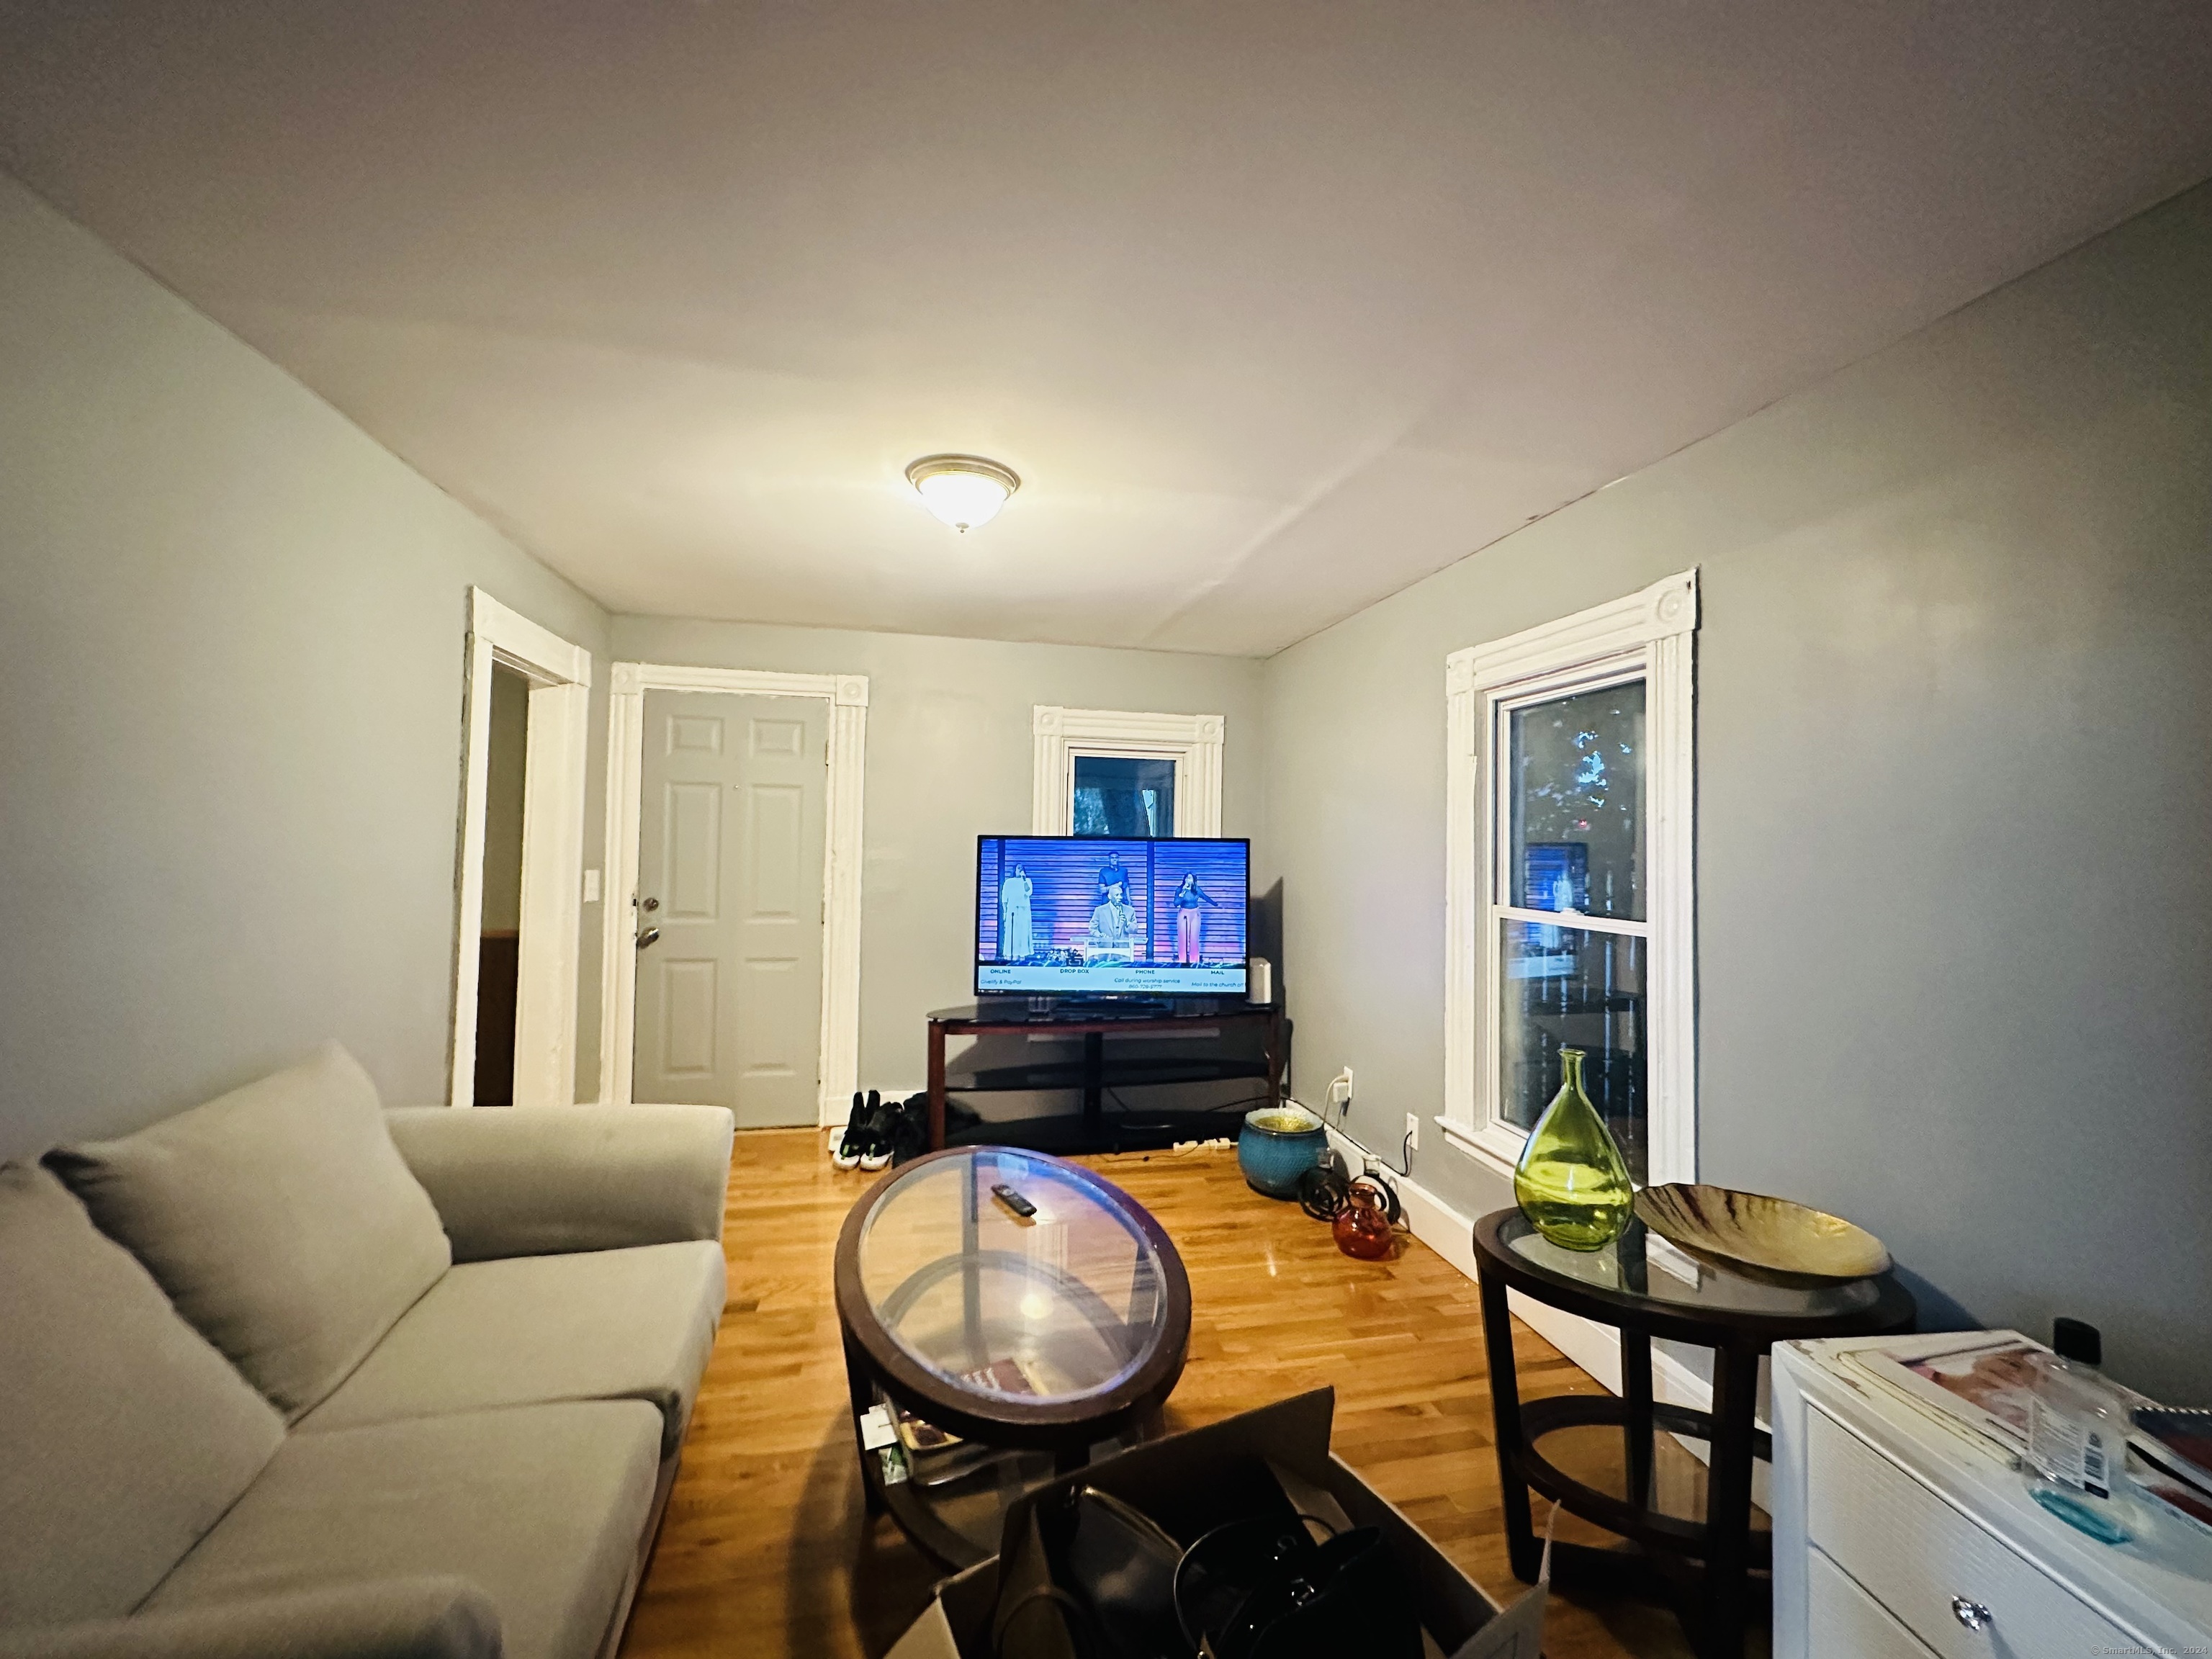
963 490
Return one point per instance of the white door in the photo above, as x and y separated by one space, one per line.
729 894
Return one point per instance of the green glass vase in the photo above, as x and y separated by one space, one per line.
1572 1181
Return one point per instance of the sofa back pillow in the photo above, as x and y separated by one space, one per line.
123 1436
280 1218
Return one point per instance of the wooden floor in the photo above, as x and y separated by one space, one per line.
765 1551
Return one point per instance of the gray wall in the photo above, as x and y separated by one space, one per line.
231 637
949 758
1954 855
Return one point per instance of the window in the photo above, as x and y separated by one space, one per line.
1569 907
1128 796
1135 775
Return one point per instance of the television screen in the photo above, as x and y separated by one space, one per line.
1089 916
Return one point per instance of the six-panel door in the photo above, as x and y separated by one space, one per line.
729 870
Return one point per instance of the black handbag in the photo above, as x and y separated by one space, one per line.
1094 1579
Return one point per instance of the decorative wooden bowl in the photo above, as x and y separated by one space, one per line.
1762 1238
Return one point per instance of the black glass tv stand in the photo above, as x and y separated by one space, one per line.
1091 1021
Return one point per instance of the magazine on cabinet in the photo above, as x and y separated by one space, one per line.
1973 1382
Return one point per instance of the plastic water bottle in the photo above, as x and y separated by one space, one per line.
2077 1437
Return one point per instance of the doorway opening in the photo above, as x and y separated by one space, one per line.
519 884
499 935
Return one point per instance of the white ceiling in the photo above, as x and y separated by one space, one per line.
1276 306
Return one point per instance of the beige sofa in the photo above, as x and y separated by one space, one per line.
290 1374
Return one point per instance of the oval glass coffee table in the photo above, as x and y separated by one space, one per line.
987 1349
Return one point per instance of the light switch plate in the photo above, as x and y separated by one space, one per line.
590 887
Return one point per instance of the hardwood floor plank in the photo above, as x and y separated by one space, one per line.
765 1550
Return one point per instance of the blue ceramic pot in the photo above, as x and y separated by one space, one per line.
1279 1145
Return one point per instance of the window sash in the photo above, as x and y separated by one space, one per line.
1501 704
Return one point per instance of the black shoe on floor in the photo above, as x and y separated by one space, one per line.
853 1143
877 1151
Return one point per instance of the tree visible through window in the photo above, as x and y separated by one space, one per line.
1128 797
1574 793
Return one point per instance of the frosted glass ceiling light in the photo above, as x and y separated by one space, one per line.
963 490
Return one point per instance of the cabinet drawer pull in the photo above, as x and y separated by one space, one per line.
1973 1614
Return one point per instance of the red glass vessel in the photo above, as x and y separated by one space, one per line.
1361 1228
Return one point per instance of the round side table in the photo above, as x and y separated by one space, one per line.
1703 1568
1050 1331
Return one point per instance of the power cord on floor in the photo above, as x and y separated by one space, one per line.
1342 1101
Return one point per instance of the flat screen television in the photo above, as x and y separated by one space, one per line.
1090 916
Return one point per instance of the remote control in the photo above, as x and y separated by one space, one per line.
1014 1200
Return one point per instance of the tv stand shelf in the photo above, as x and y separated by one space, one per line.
1094 1074
1118 1074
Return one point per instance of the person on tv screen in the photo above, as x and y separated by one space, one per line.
1015 943
1190 903
1112 875
1113 926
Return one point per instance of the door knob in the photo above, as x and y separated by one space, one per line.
650 936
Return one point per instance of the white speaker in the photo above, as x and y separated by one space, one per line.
1260 975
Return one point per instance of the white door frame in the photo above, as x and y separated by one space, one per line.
847 696
560 676
1058 735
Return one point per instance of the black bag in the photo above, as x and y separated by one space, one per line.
1095 1579
1343 1596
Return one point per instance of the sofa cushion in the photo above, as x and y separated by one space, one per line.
391 1619
634 1324
541 1507
280 1218
123 1434
558 1179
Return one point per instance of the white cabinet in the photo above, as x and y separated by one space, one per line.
1851 1621
1893 1536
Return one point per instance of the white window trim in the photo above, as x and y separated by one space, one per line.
560 676
1193 742
1652 634
847 697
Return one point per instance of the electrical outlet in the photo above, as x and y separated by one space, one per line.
1413 1130
1340 1089
590 887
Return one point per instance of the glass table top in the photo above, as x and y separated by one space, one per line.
1059 1305
1641 1263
